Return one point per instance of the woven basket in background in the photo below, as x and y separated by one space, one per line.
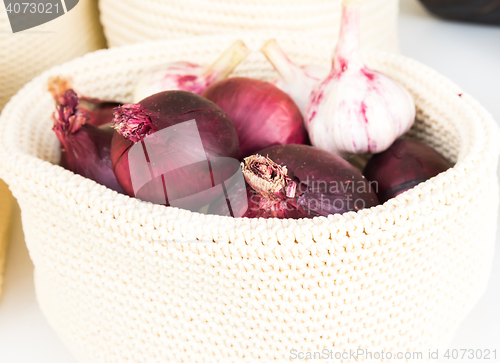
130 21
26 54
116 288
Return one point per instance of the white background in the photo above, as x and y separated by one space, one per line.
467 54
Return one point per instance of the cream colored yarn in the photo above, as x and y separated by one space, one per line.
399 276
130 21
26 54
5 210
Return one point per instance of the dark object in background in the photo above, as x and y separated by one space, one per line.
402 166
476 11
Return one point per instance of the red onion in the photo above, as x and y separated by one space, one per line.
300 181
402 166
85 149
263 114
174 148
97 112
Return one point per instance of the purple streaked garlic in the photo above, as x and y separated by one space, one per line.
297 81
186 76
355 109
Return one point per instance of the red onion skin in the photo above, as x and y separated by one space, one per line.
402 166
327 184
85 149
288 209
330 184
99 112
88 153
218 138
263 114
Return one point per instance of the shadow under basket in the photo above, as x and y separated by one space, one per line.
117 284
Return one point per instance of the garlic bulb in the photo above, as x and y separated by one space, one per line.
187 76
355 109
297 81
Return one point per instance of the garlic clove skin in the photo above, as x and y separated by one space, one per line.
297 81
186 76
355 109
173 76
359 114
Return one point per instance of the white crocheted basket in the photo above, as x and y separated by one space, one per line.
116 288
26 54
130 21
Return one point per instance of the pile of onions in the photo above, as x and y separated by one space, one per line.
241 148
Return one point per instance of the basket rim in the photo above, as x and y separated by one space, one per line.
409 200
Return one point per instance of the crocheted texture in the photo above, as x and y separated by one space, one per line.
5 210
139 20
399 276
26 54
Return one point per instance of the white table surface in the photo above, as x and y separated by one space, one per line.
467 54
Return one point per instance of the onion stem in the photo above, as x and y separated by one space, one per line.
225 64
